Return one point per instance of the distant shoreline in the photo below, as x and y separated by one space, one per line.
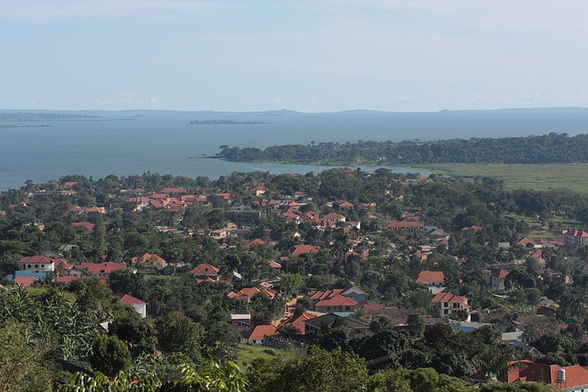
226 122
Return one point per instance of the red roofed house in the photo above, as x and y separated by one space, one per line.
338 300
99 269
205 271
497 278
25 281
298 322
337 303
575 238
564 378
334 217
149 259
86 225
37 263
140 306
431 278
302 249
450 303
529 242
256 335
247 292
405 227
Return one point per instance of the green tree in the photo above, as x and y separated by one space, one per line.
110 355
21 368
177 333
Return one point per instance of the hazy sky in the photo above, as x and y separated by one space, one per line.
307 55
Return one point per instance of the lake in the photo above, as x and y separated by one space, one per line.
136 142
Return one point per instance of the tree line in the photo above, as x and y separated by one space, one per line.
551 148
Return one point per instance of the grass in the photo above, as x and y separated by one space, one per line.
247 354
516 176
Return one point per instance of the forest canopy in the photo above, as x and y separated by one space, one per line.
551 148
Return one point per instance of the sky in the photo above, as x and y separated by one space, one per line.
304 55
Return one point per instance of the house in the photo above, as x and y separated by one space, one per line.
149 260
334 217
205 271
575 238
85 225
529 243
356 293
497 278
563 378
336 303
257 334
302 249
247 293
37 263
25 281
338 300
140 306
431 278
298 322
354 326
450 304
241 321
405 227
99 269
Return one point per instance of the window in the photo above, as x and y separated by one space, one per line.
36 265
29 266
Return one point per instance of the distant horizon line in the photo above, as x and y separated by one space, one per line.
358 110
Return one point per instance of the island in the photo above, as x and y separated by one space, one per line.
225 122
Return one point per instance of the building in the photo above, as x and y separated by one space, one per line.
37 263
257 334
562 378
98 269
140 306
497 278
431 278
575 238
451 304
205 271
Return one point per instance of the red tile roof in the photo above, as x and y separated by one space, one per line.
148 258
66 279
449 297
38 259
129 299
302 249
298 321
86 225
260 332
61 263
319 295
428 277
575 376
24 281
337 300
205 270
274 264
102 268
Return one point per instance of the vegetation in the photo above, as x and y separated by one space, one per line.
187 342
538 177
552 148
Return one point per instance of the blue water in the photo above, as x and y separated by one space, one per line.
122 143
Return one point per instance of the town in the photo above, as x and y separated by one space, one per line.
390 275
